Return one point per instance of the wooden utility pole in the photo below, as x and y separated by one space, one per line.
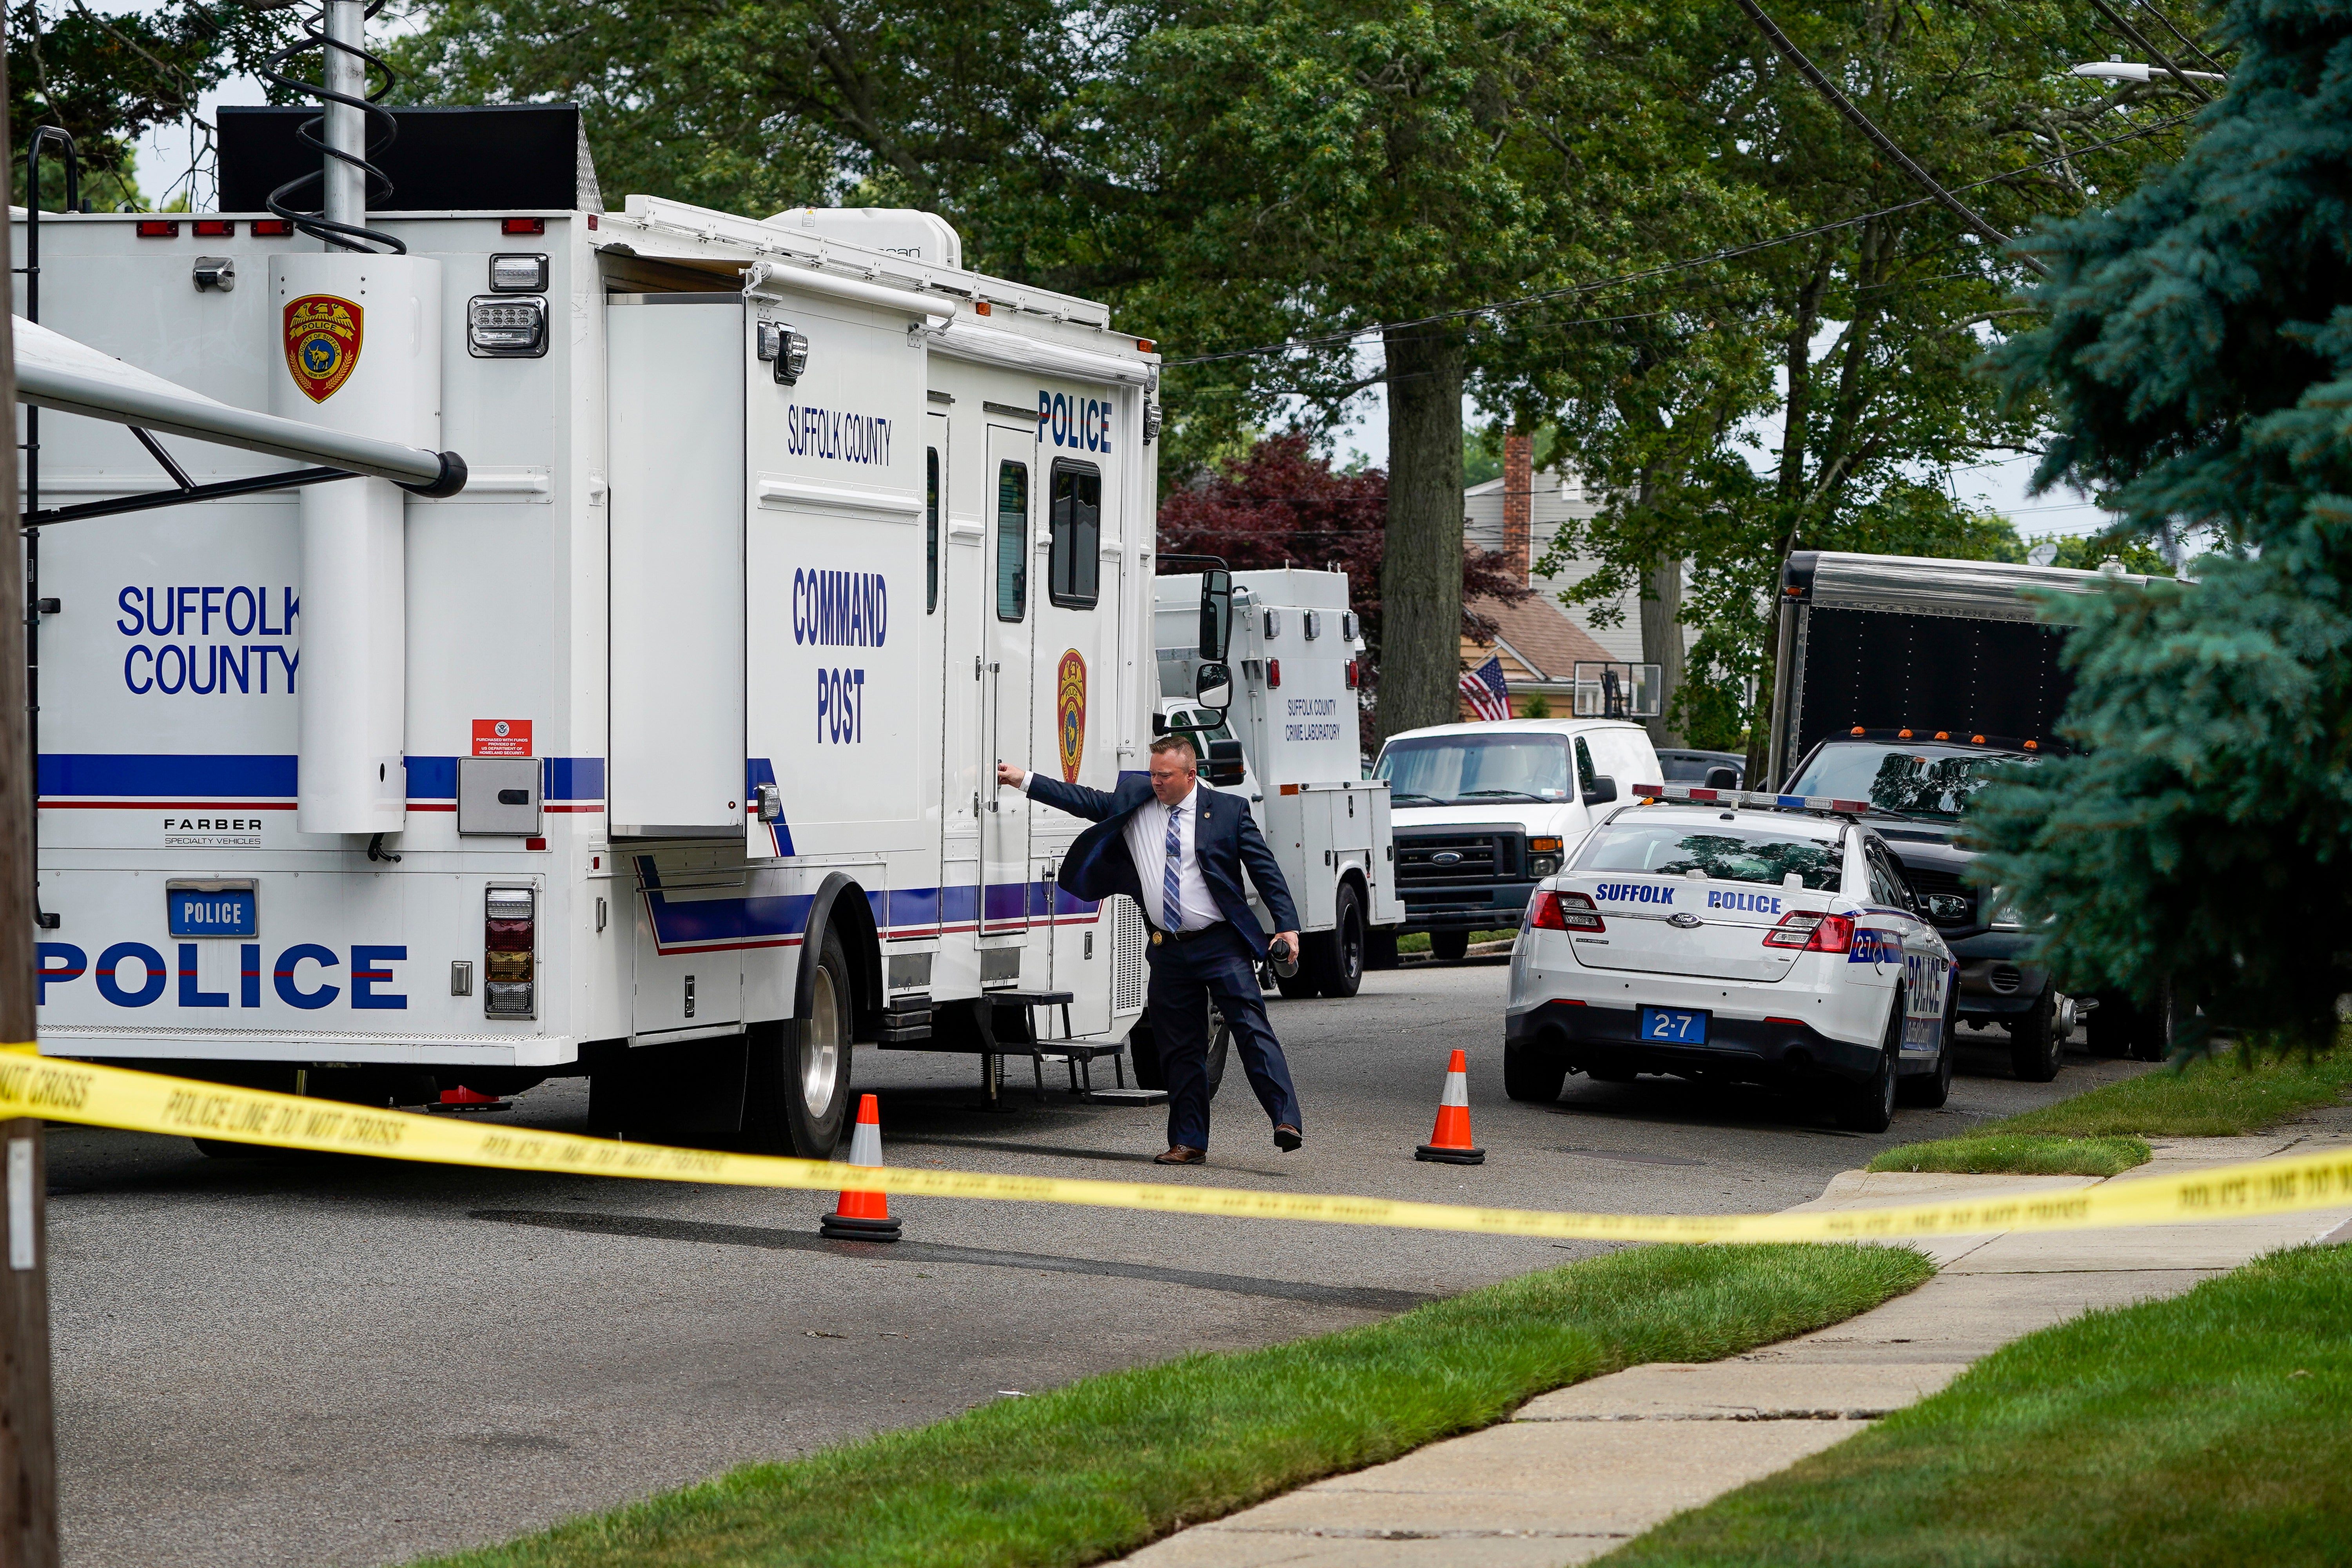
28 1468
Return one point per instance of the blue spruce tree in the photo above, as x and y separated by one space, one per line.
2198 353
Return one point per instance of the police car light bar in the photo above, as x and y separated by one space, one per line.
1750 800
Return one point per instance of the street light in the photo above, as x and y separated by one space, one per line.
2128 70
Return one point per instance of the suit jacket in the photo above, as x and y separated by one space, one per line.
1224 836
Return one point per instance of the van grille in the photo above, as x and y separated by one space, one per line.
1427 859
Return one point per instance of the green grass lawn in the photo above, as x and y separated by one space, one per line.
2088 1135
1102 1466
2209 1428
2018 1153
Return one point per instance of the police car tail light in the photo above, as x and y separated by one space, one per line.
506 326
509 942
1563 912
1810 932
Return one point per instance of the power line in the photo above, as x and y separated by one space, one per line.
1884 144
1728 253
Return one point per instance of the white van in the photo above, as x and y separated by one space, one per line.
1483 812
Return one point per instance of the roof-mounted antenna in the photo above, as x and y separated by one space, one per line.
339 31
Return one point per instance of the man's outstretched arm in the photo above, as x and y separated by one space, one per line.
1076 799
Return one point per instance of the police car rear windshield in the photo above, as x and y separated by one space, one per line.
1906 780
1445 770
1729 852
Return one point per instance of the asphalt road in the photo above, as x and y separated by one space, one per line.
304 1362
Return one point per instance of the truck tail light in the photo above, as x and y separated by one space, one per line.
522 225
509 949
506 327
1810 932
159 228
1273 673
271 228
1354 677
1563 912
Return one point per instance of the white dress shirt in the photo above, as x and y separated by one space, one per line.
1147 845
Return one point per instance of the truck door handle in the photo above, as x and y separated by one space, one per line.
514 798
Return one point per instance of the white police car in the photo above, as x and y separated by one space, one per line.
1737 935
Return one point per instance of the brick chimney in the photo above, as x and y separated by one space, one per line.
1518 503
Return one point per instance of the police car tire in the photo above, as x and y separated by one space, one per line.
1928 1090
2033 1045
1531 1073
1869 1106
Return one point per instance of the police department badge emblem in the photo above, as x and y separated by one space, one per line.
1070 712
323 343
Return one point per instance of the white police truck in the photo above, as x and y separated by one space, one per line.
1288 744
662 750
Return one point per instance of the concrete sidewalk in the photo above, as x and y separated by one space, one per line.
1577 1471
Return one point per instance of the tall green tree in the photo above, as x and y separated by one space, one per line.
2198 362
107 79
1876 323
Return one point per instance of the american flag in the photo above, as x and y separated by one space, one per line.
1490 694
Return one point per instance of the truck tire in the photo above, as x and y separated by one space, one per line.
1869 1106
1379 948
2155 1027
1451 946
1299 987
1532 1073
221 1148
1336 957
2033 1048
798 1097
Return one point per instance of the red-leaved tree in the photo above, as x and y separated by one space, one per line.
1283 506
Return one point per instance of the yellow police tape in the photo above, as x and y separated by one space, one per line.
148 1102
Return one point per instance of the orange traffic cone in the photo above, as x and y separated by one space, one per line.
863 1215
1449 1140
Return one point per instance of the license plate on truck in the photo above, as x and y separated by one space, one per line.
212 909
1672 1027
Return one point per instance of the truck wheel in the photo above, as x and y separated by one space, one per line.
799 1090
1532 1073
1869 1107
1451 946
1336 957
2033 1040
1379 948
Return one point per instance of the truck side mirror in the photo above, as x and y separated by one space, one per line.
1600 791
1216 616
1212 688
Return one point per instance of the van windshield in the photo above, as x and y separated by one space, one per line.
1729 853
1446 770
1903 780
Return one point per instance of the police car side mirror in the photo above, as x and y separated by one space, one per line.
1601 790
1721 777
1214 686
1216 615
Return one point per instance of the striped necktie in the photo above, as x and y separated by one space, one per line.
1171 875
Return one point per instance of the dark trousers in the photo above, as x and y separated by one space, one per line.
1184 976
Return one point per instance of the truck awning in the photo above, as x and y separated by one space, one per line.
55 372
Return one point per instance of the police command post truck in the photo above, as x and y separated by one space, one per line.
1288 744
662 751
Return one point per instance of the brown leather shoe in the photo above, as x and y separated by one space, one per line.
1178 1154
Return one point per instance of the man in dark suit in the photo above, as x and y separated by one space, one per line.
1179 850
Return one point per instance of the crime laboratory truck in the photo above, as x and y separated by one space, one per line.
1288 743
652 739
1909 683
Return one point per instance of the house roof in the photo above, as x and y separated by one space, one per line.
1542 636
